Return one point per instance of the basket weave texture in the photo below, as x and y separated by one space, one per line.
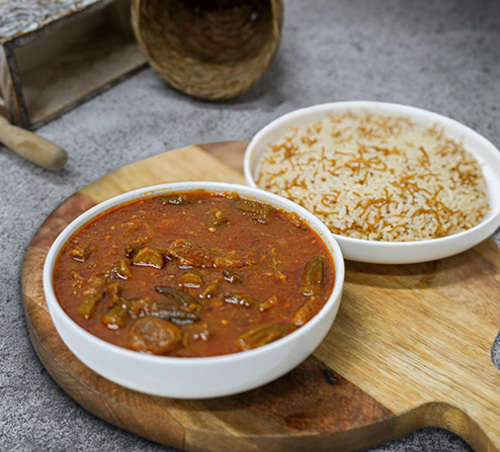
209 49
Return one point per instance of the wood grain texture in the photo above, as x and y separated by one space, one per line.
411 347
54 55
32 147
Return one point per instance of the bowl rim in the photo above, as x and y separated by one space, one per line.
489 152
316 225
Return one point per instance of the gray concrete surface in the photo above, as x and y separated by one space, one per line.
441 55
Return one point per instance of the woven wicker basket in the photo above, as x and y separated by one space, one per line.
209 49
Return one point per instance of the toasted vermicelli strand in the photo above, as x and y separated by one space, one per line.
378 177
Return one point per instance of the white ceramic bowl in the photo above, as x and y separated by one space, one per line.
384 252
195 377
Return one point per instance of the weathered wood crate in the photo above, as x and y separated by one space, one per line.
54 54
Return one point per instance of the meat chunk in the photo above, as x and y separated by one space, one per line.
257 211
154 336
123 269
192 254
81 251
149 257
113 291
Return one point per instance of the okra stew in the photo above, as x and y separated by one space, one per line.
193 274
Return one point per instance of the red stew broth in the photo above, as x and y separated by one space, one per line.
246 266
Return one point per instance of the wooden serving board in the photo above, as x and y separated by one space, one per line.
411 347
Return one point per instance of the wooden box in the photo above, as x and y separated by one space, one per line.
54 55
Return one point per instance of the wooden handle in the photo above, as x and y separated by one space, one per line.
32 147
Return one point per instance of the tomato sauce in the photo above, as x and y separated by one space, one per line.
193 274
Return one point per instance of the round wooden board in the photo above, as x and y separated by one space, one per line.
410 347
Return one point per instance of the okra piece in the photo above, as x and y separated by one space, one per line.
179 296
262 335
240 299
231 276
305 312
268 304
86 307
259 212
118 316
176 200
211 291
174 314
312 278
92 295
296 220
219 217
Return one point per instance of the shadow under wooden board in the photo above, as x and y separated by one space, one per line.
410 348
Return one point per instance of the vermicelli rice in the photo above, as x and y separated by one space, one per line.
378 177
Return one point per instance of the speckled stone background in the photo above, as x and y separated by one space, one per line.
442 55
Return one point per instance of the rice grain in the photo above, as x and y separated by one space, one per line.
377 177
